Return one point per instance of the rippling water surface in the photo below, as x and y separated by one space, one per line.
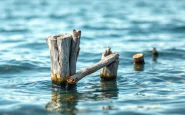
128 27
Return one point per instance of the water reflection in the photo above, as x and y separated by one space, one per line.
109 89
139 67
66 101
63 101
155 58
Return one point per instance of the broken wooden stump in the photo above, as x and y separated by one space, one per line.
86 71
109 72
138 58
64 50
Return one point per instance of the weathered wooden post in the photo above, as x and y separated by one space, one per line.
109 72
64 50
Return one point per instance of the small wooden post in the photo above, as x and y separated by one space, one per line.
138 58
64 49
138 62
109 72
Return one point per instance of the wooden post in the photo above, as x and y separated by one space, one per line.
64 49
109 72
86 71
138 58
138 62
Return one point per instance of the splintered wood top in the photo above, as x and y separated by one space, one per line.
139 55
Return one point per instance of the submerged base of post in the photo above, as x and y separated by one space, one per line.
57 80
107 77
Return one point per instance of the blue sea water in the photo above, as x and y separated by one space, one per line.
127 26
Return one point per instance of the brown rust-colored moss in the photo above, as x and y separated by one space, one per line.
107 76
57 80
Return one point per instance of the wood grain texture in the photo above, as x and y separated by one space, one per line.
64 47
75 48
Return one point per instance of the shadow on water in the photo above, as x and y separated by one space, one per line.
65 101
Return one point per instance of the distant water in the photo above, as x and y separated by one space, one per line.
127 26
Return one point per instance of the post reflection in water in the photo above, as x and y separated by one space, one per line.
63 101
66 101
139 67
109 89
155 58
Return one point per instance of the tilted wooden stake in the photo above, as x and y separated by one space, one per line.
86 71
110 71
64 49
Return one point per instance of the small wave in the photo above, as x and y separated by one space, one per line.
14 66
179 28
16 30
